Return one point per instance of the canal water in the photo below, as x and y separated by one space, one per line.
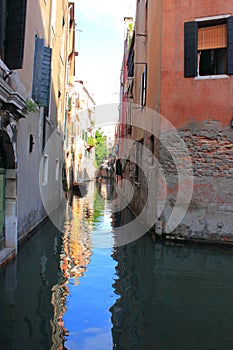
70 290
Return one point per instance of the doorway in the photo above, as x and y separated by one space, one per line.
2 207
7 183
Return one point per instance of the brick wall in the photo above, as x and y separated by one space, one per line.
210 213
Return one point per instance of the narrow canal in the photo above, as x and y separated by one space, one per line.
71 290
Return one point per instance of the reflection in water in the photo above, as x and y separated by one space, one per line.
88 318
26 290
172 297
74 258
65 292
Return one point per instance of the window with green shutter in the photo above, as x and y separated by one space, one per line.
41 73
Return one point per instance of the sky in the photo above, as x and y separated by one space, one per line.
99 42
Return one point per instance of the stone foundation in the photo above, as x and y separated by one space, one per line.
210 213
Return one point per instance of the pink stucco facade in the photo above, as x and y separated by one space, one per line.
191 99
196 105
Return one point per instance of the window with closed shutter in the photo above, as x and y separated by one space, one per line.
13 37
41 73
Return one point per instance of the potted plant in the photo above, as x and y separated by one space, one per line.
30 106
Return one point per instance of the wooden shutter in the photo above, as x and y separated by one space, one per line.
41 73
214 37
15 31
38 59
230 45
45 77
190 49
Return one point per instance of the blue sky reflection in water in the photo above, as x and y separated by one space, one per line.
87 318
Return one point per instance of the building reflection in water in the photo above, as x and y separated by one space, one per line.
133 288
35 287
86 317
172 297
166 294
26 291
74 258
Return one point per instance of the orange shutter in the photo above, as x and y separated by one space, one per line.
214 37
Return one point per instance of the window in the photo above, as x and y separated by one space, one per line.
53 14
12 32
152 150
57 170
212 62
212 49
143 87
139 148
208 47
45 169
41 73
31 143
146 15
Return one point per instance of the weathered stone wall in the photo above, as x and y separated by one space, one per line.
210 213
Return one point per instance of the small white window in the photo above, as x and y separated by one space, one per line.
45 169
53 14
57 170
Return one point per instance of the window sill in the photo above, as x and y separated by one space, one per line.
208 77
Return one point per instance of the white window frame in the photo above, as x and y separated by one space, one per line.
45 169
57 170
215 76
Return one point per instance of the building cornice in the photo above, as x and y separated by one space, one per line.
11 101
